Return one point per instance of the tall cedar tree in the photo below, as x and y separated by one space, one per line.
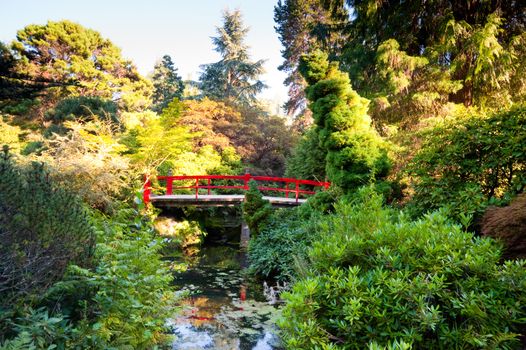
234 77
167 84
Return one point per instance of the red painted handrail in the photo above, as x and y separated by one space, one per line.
197 179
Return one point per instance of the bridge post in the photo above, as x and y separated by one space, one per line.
146 189
246 180
245 236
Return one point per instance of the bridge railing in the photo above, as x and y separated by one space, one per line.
194 183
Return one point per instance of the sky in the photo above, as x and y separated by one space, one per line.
146 30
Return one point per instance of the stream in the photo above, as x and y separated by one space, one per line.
221 307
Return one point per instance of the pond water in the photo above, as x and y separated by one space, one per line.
222 309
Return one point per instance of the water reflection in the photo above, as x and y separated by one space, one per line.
223 309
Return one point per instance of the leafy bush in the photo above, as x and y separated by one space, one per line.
43 228
378 279
35 329
468 163
308 158
281 246
124 300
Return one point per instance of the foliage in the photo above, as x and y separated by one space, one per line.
121 302
247 129
167 84
36 329
157 140
129 289
64 51
281 245
355 153
303 26
467 163
412 59
10 135
88 162
256 210
83 109
234 77
307 160
181 234
18 89
43 228
264 141
378 279
213 123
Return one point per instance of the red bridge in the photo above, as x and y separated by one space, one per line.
225 190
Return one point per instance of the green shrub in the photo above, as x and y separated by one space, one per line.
124 300
256 210
378 279
43 228
281 245
469 163
35 329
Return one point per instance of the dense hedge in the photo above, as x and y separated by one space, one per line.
470 162
380 280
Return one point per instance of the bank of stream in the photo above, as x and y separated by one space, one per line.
222 308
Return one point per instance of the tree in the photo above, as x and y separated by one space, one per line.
307 160
15 86
167 84
303 26
83 109
234 77
414 59
354 151
64 51
213 123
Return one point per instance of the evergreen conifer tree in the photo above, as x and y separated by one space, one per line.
256 210
355 155
167 83
234 77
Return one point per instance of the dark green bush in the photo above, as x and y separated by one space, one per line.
43 228
121 302
308 158
380 280
467 164
256 210
84 108
281 246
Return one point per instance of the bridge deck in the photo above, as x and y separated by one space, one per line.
216 200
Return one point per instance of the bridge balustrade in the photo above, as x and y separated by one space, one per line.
195 183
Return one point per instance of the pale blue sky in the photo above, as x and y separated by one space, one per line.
146 30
